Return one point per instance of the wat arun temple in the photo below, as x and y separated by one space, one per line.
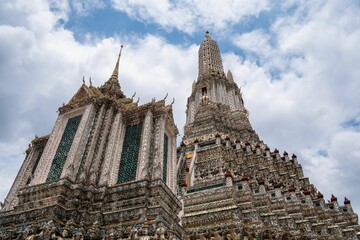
112 169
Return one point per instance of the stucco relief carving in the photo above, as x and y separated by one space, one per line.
49 151
158 149
117 154
110 150
143 169
84 170
76 152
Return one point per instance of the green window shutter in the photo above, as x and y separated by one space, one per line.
130 154
63 148
165 157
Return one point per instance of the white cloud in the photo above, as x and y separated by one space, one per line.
190 15
256 41
84 8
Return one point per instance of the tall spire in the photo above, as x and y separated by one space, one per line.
116 69
112 86
209 57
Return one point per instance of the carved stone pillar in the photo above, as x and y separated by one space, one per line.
143 169
72 167
49 151
158 148
172 158
85 165
114 167
112 147
95 167
78 144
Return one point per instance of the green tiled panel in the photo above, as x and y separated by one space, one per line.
130 153
63 148
165 157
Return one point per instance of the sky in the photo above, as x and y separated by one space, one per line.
297 63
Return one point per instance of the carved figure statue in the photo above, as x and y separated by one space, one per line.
205 99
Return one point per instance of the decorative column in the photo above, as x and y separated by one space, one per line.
172 161
114 167
214 97
158 148
95 167
231 99
110 152
72 167
143 169
93 137
49 151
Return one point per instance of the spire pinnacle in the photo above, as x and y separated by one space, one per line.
207 34
209 57
115 73
229 76
112 86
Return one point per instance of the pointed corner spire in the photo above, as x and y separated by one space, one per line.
115 73
229 76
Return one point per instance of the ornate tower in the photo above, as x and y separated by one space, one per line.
231 184
106 171
215 105
209 57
